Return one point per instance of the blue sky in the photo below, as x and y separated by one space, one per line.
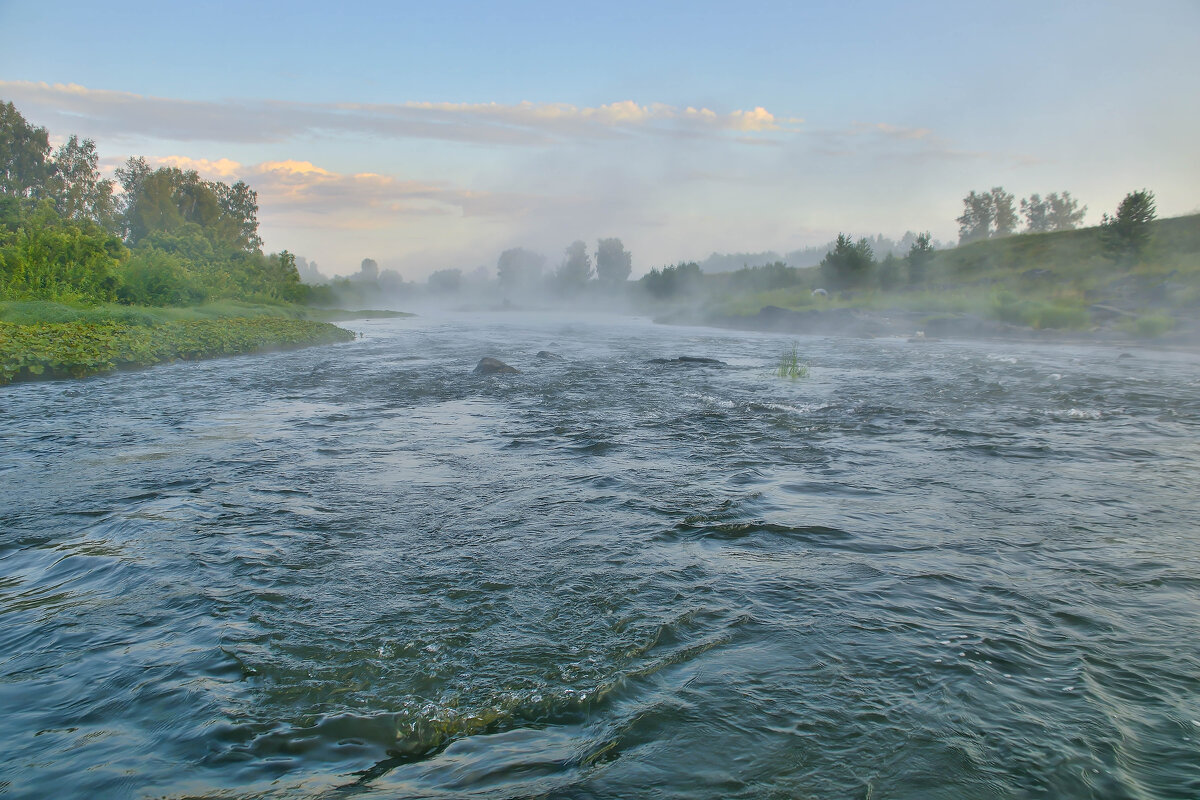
435 135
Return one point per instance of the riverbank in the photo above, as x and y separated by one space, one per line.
926 326
78 349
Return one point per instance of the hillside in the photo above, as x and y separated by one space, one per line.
1018 285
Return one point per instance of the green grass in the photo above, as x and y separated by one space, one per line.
341 314
40 338
87 347
790 366
29 312
1149 326
1062 312
747 305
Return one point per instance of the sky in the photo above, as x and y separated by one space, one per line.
435 135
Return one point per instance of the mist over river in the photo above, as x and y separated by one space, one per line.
927 570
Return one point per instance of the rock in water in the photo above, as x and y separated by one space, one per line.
548 356
688 360
493 366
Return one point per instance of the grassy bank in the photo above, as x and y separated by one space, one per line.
31 312
1041 282
42 339
79 348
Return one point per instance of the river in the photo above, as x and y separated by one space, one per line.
926 570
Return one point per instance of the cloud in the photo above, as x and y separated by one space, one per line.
126 114
295 193
753 121
302 191
889 131
290 167
883 140
220 169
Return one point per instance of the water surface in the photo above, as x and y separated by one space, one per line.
938 570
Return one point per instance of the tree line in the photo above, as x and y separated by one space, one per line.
853 264
168 237
992 214
611 266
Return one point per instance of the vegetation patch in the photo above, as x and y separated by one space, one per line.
747 305
77 349
790 366
1150 326
341 314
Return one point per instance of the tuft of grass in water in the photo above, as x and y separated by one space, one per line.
790 366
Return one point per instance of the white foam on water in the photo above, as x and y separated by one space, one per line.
803 408
708 399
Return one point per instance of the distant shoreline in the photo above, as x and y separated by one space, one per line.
921 327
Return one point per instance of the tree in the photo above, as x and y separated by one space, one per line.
976 220
170 198
368 270
680 279
518 267
613 262
131 176
576 268
1054 213
446 281
987 215
1064 213
240 206
76 187
23 153
1004 214
888 272
1037 214
848 264
919 255
1125 236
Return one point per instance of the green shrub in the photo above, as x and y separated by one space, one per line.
154 277
50 258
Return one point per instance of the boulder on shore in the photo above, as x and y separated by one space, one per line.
494 366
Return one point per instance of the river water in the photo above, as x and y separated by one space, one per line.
927 570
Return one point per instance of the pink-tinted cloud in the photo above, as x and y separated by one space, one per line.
126 114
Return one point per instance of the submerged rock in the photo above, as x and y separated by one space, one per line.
548 356
493 366
687 360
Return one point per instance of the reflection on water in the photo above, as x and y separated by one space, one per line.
927 570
